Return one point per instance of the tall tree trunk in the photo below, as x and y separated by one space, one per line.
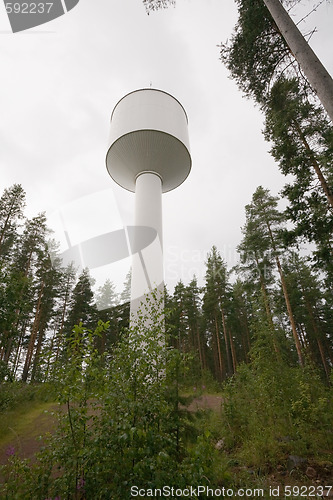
324 361
233 352
5 335
290 312
46 376
286 298
317 334
326 188
268 310
245 329
14 328
303 339
19 349
200 349
62 321
318 77
33 336
247 336
41 334
244 345
225 333
218 345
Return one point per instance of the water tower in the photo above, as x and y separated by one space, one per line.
149 155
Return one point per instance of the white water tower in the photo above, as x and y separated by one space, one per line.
148 154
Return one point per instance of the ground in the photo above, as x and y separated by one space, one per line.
24 432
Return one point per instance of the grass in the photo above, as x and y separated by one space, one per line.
21 421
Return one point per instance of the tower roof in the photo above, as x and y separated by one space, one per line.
148 133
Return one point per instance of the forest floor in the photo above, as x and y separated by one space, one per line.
24 433
205 402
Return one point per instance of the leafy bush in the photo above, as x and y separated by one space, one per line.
272 410
14 394
122 426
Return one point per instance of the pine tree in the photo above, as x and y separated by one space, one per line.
215 304
256 53
50 279
264 67
21 287
256 265
179 318
106 296
106 301
82 308
263 211
12 204
67 283
317 75
308 301
240 319
125 295
196 333
302 143
301 136
45 281
267 44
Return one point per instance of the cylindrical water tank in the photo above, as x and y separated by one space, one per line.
149 133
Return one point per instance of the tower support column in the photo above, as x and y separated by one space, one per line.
147 262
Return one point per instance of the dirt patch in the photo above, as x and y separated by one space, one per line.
206 402
23 440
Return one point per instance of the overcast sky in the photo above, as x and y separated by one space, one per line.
60 82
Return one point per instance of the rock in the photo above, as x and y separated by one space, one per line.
220 444
311 472
295 461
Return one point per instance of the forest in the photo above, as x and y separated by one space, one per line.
258 335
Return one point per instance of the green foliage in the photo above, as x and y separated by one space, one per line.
14 394
273 410
122 425
297 126
256 52
82 309
12 203
302 136
215 303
